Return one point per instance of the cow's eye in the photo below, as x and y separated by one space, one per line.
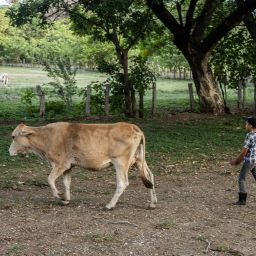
13 137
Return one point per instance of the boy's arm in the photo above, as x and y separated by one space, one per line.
240 157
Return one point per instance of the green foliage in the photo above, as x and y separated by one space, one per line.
162 54
27 96
54 107
234 58
13 43
98 96
63 74
141 75
30 43
115 81
114 20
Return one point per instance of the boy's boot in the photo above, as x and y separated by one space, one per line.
241 199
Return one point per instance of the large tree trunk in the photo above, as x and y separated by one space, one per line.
129 95
207 89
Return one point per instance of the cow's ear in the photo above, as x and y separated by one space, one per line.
26 131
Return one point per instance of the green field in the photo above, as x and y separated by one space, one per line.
172 95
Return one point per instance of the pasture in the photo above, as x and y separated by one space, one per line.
188 154
172 95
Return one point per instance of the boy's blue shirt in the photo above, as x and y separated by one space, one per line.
250 144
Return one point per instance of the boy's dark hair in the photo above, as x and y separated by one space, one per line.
251 120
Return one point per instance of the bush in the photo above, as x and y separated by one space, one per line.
57 107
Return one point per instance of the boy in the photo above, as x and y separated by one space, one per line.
248 156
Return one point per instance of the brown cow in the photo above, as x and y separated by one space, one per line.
93 146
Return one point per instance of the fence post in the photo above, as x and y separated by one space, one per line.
239 94
191 96
254 84
107 92
244 93
88 100
41 96
141 103
153 108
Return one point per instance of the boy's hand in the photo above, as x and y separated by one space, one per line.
233 162
240 157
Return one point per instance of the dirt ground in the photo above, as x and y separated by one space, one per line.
195 216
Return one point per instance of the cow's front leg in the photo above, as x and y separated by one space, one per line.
55 173
66 181
121 183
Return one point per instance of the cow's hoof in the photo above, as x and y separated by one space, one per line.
152 206
63 202
109 207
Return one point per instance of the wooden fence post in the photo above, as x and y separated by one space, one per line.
41 96
191 96
107 92
88 100
244 93
254 84
239 94
141 103
153 108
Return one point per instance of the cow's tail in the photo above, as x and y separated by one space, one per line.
144 174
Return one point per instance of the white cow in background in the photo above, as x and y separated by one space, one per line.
4 78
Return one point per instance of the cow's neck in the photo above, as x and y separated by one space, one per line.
39 141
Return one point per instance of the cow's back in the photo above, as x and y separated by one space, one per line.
109 139
92 145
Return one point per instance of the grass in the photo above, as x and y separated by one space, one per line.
20 77
172 95
202 238
15 249
184 146
193 143
98 237
166 224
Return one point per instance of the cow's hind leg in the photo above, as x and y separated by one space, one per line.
148 175
153 198
122 182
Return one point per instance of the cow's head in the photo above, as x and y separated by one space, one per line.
20 140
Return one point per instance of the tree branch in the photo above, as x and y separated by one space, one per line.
249 21
178 6
227 24
165 16
141 31
189 17
203 20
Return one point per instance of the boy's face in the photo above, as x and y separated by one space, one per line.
248 126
